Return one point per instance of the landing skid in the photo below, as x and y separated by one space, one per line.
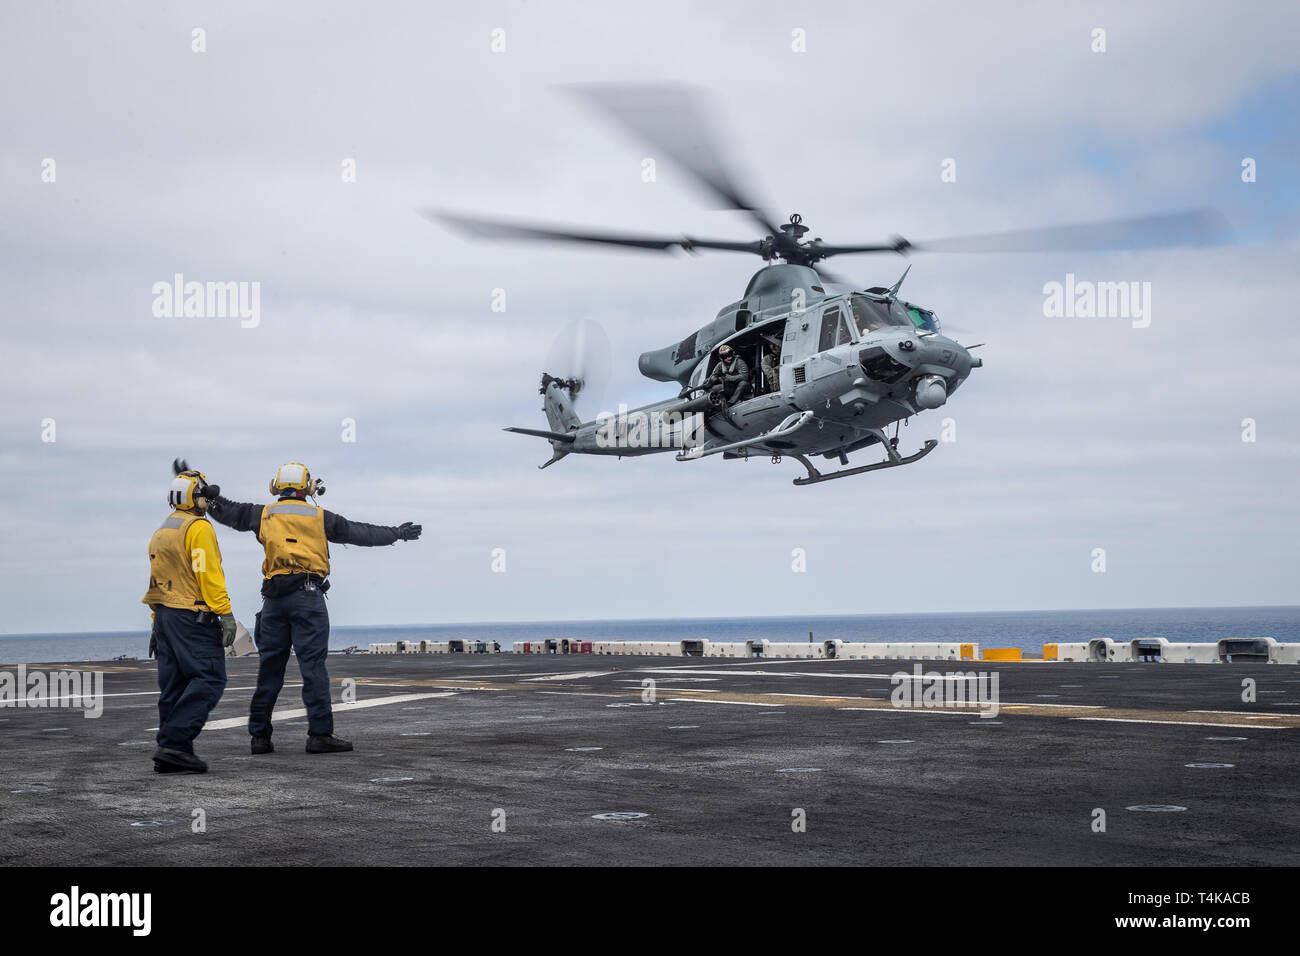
815 476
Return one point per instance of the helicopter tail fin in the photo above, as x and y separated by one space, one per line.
557 402
541 433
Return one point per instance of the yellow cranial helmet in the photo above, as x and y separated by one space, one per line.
185 490
294 477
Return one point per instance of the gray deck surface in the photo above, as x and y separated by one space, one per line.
718 763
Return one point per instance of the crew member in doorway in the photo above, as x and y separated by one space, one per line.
730 376
771 363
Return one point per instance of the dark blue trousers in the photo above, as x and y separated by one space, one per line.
191 675
299 621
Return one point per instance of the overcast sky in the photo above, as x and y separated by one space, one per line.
226 165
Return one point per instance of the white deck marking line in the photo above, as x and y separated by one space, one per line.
1239 713
714 700
730 661
1040 704
909 676
383 683
134 693
494 676
364 682
679 680
659 686
1182 723
771 660
934 711
339 707
814 696
573 675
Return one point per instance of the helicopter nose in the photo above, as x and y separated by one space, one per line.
939 365
941 350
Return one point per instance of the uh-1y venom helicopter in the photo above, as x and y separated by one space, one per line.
850 363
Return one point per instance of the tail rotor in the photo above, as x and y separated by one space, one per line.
579 361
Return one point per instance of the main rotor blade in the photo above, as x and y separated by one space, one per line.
671 118
823 249
1193 227
499 229
837 279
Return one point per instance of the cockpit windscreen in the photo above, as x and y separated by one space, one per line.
873 314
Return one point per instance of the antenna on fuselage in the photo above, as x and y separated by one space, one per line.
893 289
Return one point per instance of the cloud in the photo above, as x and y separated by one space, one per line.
226 166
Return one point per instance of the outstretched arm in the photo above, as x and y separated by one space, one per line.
236 514
340 530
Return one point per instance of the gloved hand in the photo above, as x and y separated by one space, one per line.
153 637
408 532
227 630
206 490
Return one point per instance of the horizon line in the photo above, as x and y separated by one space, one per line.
728 617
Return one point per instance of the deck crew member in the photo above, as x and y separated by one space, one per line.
295 536
192 622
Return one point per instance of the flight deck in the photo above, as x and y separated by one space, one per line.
522 759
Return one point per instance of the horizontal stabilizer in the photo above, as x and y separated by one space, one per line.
540 433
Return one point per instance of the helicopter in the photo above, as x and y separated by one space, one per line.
814 372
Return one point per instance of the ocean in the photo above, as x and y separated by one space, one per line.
1027 630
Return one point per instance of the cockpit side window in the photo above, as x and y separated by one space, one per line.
870 315
687 348
833 331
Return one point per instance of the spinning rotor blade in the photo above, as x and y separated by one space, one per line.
499 229
1191 227
581 352
672 119
837 279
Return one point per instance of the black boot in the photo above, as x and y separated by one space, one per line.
261 745
166 760
327 744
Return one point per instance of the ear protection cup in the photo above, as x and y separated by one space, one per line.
184 489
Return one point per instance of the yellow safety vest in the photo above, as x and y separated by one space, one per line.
173 581
293 534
